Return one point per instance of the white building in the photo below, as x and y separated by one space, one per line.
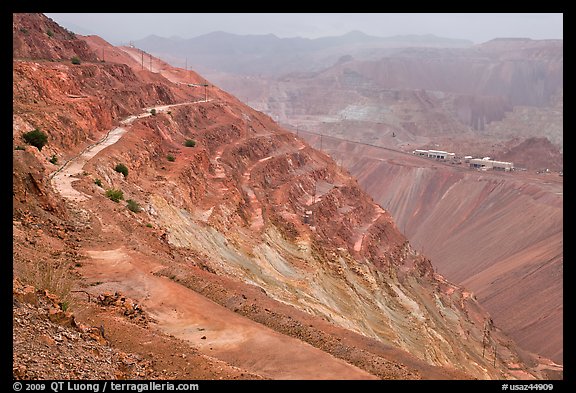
437 154
485 164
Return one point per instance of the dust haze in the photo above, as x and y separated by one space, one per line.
476 27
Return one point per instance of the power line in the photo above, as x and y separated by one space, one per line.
375 146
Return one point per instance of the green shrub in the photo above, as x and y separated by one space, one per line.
169 112
98 182
189 143
19 148
65 306
35 138
54 159
75 60
170 158
23 30
133 206
50 33
115 195
153 111
122 169
148 225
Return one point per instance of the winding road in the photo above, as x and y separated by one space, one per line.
179 311
63 178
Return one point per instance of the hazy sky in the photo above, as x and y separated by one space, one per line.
478 28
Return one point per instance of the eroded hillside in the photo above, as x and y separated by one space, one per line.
496 93
501 235
253 249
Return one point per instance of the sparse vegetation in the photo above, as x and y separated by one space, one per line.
123 169
189 143
35 138
133 206
19 148
75 60
53 276
65 306
153 111
50 33
115 195
23 30
148 225
54 159
98 182
170 158
71 34
169 112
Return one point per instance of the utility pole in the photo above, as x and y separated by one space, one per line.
486 336
314 201
494 355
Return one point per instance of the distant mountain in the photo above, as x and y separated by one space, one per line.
271 55
431 39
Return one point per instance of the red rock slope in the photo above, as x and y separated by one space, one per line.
500 235
248 209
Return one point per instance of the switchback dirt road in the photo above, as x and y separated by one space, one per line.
183 313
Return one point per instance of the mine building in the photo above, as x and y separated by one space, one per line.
486 163
421 153
437 154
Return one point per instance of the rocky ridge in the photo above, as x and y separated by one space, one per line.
236 205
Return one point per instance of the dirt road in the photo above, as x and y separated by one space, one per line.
179 311
213 329
63 178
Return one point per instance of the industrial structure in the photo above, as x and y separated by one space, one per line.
486 163
437 154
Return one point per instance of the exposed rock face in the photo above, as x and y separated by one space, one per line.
77 96
501 88
535 153
254 204
35 36
500 235
497 99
